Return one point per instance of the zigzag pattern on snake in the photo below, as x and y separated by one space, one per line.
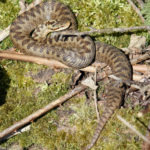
72 50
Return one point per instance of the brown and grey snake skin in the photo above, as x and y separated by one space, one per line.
74 51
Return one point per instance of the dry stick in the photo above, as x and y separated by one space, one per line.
141 68
141 3
38 60
22 6
42 111
133 129
28 58
136 10
95 97
146 146
56 64
137 77
4 33
108 30
140 58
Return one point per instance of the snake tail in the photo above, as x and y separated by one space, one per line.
121 68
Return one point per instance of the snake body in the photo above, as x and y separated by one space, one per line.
74 51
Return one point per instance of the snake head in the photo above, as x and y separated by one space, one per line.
54 25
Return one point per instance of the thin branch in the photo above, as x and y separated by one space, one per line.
56 64
107 30
4 33
140 58
95 97
142 68
28 58
141 3
22 6
144 90
39 60
146 146
41 111
136 10
137 77
133 129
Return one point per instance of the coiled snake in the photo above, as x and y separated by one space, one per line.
29 33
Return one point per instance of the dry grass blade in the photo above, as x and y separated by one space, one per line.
133 129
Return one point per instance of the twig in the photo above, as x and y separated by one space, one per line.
41 111
33 59
140 58
38 60
133 129
137 77
141 68
136 10
141 3
144 90
146 146
95 97
4 33
49 62
19 131
22 6
107 30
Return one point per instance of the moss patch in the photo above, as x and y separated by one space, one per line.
70 126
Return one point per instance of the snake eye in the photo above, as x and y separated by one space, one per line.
50 23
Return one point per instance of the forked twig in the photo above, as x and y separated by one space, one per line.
42 111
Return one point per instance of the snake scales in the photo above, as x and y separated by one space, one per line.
72 50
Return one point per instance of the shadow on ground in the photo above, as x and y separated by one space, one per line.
4 85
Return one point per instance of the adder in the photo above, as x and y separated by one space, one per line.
30 33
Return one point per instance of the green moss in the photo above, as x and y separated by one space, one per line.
146 12
29 1
105 14
8 12
71 125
